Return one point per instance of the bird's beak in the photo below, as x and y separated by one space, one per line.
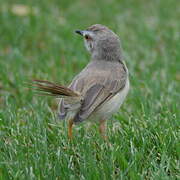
83 32
79 32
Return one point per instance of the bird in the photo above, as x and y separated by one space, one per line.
98 91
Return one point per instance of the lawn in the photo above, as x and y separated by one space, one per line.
37 40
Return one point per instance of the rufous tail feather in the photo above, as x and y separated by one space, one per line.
52 89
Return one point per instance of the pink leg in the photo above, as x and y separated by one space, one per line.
70 125
102 129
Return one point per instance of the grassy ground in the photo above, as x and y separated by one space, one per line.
37 41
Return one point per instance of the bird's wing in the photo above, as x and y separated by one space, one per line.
97 95
96 85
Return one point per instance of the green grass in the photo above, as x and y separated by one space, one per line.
143 136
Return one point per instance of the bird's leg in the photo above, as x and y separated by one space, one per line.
102 129
70 125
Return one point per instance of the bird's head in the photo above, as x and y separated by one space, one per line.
101 42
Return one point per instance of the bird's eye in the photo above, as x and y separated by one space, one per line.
87 37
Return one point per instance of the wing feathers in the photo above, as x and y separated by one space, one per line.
95 97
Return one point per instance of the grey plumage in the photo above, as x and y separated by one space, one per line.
102 78
101 86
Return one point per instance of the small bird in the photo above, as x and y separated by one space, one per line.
99 90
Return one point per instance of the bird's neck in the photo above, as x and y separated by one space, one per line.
105 55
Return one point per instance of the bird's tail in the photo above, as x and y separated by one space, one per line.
52 89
